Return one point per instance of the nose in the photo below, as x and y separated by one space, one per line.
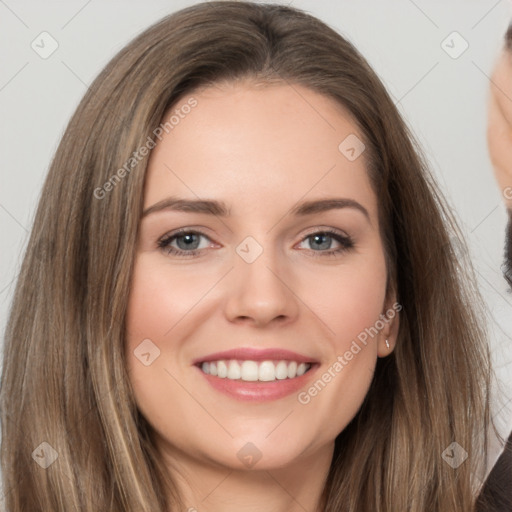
261 292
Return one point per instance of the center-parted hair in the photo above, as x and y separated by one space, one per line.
65 378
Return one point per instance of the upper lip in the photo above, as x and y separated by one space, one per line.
256 354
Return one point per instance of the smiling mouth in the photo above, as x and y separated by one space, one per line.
254 371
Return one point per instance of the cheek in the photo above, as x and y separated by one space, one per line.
156 305
350 302
352 298
352 311
160 297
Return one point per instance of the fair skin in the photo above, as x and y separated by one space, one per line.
261 151
499 127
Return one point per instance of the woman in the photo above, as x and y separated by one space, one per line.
252 370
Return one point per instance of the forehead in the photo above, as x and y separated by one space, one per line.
253 143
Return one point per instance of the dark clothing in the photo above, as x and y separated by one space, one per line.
496 494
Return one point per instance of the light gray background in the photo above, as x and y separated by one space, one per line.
443 99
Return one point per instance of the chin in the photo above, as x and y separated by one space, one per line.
267 456
259 452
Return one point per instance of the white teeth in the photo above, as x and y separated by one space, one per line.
234 372
292 370
301 369
264 371
267 371
222 369
249 370
281 370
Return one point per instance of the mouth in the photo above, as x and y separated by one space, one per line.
257 374
254 371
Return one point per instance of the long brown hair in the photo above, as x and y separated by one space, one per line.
64 378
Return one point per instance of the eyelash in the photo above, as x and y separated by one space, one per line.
345 241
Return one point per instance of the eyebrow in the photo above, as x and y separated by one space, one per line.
220 209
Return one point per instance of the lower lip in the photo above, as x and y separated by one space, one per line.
258 391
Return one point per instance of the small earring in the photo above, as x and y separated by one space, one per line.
387 343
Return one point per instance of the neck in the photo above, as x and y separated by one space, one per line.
205 486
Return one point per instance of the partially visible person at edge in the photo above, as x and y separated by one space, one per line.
496 494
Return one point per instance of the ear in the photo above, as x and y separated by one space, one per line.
390 319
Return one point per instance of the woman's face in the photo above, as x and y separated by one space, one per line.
259 278
499 128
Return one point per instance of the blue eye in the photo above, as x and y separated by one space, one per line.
188 243
318 238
